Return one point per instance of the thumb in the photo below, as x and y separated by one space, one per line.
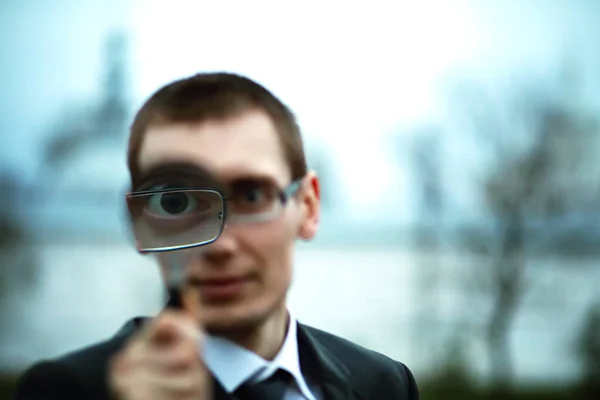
172 327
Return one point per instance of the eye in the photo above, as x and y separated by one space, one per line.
175 204
252 199
252 196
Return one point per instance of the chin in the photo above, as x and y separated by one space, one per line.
236 319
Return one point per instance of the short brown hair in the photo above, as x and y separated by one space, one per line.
209 96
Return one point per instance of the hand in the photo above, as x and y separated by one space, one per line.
162 362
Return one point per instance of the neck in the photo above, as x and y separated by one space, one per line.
267 338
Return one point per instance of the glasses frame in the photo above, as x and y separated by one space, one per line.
284 196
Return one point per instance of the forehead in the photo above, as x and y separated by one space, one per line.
244 145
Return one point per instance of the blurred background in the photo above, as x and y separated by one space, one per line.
457 143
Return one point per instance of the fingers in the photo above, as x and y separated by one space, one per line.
149 390
182 384
171 341
161 362
180 356
170 327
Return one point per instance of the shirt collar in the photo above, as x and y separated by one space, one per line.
232 365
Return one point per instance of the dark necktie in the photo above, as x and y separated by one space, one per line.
270 389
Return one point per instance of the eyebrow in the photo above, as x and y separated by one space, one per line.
251 178
191 171
174 171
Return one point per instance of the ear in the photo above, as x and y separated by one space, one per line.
310 202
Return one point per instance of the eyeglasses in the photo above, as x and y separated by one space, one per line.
169 219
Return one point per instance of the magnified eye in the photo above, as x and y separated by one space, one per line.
176 204
171 203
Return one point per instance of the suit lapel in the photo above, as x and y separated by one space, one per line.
219 392
319 363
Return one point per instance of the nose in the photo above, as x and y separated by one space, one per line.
222 249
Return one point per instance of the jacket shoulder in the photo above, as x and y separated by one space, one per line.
370 371
48 380
94 357
75 375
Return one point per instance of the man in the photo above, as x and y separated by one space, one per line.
237 339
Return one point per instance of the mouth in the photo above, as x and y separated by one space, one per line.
222 288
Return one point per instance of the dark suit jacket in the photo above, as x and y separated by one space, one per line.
343 370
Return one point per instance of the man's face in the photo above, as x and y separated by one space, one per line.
243 277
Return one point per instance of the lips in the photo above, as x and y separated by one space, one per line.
221 287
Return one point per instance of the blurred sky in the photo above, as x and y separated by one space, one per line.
353 72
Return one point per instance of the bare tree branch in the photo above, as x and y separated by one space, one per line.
542 149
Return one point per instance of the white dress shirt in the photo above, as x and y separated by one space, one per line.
233 365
